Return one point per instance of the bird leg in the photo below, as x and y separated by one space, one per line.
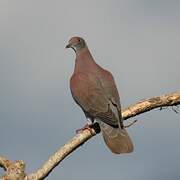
87 126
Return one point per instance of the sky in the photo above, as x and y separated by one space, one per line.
137 40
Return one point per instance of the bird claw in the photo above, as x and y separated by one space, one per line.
86 127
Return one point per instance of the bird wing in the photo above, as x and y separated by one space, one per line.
108 83
89 93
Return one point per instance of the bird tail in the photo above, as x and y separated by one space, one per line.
116 139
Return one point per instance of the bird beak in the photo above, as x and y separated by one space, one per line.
68 46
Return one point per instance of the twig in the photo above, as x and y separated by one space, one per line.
130 124
175 109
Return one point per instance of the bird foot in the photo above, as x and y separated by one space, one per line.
87 126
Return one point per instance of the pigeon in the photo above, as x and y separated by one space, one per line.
93 88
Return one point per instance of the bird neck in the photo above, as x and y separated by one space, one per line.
84 61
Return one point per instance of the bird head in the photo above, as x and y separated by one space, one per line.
76 43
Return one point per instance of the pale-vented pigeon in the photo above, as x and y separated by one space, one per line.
94 90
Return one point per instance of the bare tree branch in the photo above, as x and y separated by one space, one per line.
172 99
14 170
64 151
5 163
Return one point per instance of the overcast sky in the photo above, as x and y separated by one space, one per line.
137 40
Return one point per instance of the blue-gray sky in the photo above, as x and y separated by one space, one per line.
138 41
